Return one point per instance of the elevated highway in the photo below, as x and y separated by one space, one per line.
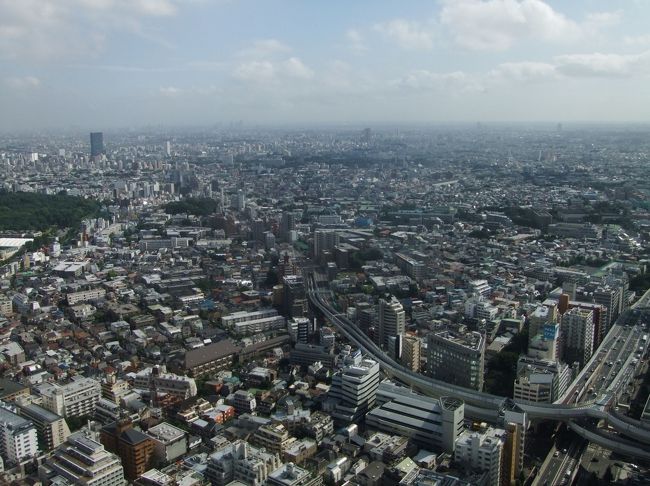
481 405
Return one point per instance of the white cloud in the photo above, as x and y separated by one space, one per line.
295 68
170 91
270 71
637 40
258 71
524 71
604 65
356 41
264 48
452 82
407 34
23 82
55 29
499 24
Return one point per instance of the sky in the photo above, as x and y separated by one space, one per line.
101 64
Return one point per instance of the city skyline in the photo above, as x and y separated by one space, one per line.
113 63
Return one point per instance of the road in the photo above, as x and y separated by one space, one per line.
483 406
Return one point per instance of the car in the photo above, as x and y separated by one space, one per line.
556 453
563 451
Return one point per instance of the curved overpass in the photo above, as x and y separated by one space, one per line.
480 405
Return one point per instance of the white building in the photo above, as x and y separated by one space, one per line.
427 421
179 386
392 320
482 451
240 461
74 399
18 437
353 391
169 442
83 461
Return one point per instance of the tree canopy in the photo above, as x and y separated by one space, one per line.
35 211
192 205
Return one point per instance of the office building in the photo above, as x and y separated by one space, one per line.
293 295
209 359
300 329
243 323
157 380
18 437
392 320
170 442
482 451
74 399
52 429
353 391
546 343
411 352
134 448
291 475
243 462
83 461
457 358
274 438
429 422
324 240
96 144
577 333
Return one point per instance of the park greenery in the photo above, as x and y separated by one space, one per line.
195 206
35 211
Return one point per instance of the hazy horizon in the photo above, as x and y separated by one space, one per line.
114 64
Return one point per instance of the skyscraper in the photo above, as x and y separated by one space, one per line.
577 335
353 391
96 143
392 320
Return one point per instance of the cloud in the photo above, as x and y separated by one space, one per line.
451 82
269 71
295 68
637 40
47 30
170 91
355 41
407 34
604 65
524 71
24 82
264 48
495 25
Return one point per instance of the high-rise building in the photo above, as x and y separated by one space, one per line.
392 320
427 421
540 380
457 358
287 224
74 399
294 301
577 335
353 391
52 429
135 449
83 461
482 451
96 144
411 351
18 437
241 461
324 240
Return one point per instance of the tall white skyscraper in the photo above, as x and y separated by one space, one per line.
392 320
353 391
